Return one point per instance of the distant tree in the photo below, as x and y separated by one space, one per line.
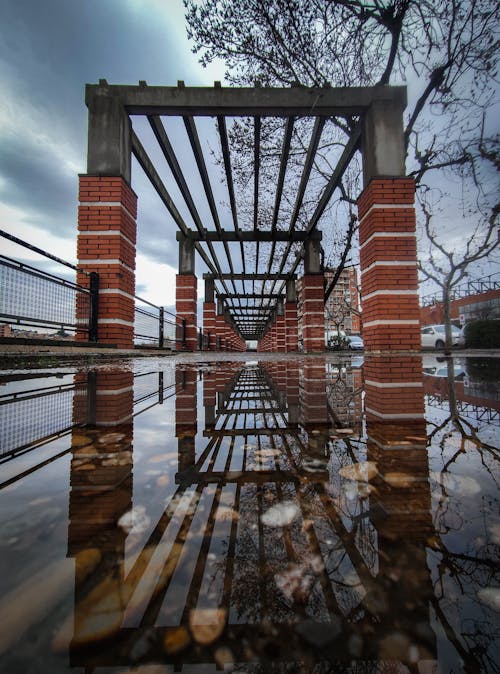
445 49
448 267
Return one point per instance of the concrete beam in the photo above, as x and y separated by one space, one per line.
250 277
251 101
251 236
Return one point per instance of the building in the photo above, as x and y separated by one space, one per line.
342 309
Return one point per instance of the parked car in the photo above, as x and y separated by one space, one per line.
355 342
434 337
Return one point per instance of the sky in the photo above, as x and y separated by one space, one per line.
49 50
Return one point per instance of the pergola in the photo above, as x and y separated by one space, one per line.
246 309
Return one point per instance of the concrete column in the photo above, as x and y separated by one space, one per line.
107 245
186 296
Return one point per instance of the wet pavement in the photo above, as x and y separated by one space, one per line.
251 513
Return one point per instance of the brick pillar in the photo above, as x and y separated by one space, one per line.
185 307
313 312
209 323
106 244
291 327
388 258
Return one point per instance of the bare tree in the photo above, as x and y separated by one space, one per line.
445 50
448 267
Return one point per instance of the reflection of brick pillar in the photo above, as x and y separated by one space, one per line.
106 245
185 307
291 326
101 465
391 316
313 309
209 323
393 387
312 392
186 417
400 510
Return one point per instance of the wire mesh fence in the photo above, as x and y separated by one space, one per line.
154 326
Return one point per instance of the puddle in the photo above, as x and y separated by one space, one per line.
297 515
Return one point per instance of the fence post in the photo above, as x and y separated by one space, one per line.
94 305
160 388
161 336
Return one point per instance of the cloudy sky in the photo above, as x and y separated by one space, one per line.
49 50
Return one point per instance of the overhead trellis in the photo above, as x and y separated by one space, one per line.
249 280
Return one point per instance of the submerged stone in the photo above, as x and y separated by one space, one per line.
176 640
207 625
319 634
363 472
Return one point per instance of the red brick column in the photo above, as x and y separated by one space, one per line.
106 244
388 258
291 327
185 307
209 323
313 312
280 334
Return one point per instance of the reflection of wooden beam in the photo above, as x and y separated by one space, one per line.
249 431
249 476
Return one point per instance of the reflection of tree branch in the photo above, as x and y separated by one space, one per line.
470 662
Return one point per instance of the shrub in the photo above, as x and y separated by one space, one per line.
482 334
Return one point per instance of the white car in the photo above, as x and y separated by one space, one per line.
434 337
355 342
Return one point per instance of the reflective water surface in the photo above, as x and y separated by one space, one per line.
299 515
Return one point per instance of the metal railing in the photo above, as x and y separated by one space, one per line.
34 298
472 287
154 325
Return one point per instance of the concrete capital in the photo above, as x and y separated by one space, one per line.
186 256
383 146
